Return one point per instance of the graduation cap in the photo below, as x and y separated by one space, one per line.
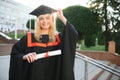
42 10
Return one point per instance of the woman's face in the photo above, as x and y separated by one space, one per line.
45 21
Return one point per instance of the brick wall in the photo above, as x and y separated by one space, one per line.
102 55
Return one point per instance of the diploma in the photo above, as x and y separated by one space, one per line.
48 54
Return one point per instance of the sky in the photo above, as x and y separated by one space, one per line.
53 3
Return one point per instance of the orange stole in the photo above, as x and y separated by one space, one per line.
32 44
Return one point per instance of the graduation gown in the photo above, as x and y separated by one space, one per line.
59 67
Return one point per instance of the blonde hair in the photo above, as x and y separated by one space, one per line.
51 32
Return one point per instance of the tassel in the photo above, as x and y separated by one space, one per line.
52 18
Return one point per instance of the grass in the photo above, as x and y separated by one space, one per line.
95 48
12 35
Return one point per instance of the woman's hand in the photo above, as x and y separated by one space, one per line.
30 57
61 16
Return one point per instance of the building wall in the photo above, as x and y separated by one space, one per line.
13 16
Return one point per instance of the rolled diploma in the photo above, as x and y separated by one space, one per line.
50 53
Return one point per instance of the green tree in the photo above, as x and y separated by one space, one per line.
85 21
109 12
115 15
31 24
117 40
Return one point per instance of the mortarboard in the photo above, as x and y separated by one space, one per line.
42 10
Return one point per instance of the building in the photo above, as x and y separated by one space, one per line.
13 16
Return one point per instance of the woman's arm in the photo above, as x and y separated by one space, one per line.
61 16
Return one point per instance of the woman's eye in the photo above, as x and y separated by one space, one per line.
47 17
40 18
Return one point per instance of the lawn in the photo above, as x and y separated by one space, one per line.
95 48
12 35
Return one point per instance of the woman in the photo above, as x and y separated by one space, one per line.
31 57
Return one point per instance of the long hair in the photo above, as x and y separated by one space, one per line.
51 33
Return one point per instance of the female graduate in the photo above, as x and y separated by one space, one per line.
45 54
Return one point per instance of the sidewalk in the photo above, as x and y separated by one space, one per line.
4 68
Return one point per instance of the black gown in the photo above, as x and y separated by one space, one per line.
59 67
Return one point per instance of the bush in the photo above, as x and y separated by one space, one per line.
90 40
101 39
117 42
32 21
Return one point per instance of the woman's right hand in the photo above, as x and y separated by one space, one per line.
61 16
30 57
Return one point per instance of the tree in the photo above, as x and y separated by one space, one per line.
85 21
109 12
31 24
115 20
